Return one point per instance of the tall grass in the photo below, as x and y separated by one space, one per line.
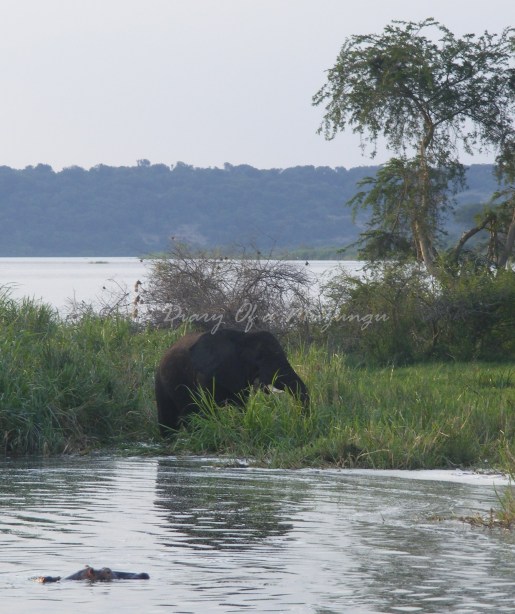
69 386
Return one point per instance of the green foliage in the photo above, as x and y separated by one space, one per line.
425 91
381 319
65 387
400 314
438 415
72 386
392 197
267 422
415 82
474 317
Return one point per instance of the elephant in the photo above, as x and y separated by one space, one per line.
226 363
96 575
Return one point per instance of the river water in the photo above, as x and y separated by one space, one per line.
222 538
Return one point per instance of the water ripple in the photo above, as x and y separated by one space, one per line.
237 540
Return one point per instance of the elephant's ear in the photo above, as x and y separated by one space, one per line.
218 357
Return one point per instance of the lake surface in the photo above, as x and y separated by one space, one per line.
217 538
57 281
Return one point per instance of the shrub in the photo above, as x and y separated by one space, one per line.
400 314
382 317
209 292
474 315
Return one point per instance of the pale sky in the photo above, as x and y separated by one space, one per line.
87 82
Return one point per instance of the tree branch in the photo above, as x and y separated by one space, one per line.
468 234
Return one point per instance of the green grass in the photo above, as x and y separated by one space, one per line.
425 416
70 386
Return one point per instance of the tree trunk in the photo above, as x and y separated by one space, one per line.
425 248
508 246
422 213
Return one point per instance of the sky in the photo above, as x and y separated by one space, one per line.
204 82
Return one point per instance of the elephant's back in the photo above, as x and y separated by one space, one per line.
183 344
176 361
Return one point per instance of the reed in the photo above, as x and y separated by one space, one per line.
68 386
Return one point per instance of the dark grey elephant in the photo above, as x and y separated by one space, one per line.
227 364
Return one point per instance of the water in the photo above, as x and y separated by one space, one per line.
59 281
217 538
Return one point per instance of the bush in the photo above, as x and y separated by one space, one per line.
400 314
210 292
474 315
381 318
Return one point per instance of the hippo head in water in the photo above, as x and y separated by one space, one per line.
105 574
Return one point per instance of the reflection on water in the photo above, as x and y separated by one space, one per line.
221 512
220 539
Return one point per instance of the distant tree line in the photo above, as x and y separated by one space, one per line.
122 211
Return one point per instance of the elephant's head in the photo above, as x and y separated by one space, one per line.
268 364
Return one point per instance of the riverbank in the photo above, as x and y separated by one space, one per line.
80 385
417 417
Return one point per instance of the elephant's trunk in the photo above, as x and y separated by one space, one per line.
296 386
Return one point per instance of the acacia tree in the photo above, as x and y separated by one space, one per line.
427 93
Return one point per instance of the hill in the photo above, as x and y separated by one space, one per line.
124 211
